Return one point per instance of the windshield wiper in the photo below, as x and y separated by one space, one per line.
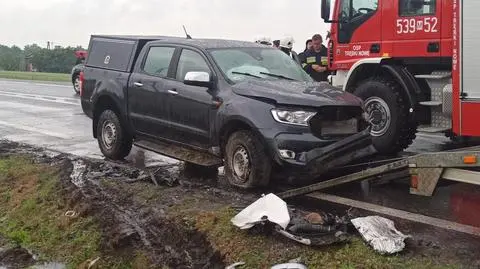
246 74
276 76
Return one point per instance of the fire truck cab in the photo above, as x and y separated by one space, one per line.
413 62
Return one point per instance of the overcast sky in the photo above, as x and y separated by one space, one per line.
71 22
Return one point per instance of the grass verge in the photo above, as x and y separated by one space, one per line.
259 251
32 215
38 76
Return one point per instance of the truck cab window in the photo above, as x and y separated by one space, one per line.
190 61
417 7
352 14
158 61
352 9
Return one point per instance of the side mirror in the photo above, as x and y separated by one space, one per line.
200 79
326 10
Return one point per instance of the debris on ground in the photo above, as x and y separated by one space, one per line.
381 234
269 207
312 229
235 265
290 265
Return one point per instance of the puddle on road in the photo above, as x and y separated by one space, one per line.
77 176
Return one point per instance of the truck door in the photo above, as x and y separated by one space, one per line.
412 28
147 95
358 31
190 106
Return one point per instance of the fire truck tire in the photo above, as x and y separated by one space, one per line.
392 131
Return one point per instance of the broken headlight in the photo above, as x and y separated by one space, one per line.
298 117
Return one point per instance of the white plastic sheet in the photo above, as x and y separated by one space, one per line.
270 206
381 234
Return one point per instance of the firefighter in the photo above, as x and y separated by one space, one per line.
276 43
286 45
308 46
264 41
315 60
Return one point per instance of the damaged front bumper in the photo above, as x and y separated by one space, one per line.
318 160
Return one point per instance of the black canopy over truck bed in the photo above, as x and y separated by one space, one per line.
117 53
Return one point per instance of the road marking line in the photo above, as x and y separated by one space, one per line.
440 223
33 83
15 91
7 106
39 98
432 136
36 130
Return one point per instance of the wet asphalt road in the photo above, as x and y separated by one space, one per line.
49 115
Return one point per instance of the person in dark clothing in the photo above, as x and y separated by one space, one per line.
315 60
308 46
276 43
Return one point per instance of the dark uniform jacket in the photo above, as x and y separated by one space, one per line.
310 58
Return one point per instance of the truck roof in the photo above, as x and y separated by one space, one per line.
205 43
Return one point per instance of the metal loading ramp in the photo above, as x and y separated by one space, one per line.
424 171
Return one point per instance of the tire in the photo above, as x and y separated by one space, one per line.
392 131
192 170
76 83
245 146
117 145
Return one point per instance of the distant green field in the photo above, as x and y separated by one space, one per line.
35 76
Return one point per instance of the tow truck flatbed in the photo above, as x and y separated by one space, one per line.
424 170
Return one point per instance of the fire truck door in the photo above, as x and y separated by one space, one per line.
412 28
359 34
471 44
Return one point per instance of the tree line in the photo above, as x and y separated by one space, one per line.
56 60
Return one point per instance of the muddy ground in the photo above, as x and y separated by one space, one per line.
153 211
136 212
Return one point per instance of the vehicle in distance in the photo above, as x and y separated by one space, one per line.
77 69
214 103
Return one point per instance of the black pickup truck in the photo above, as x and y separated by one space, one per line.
212 103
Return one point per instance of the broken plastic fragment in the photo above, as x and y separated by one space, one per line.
235 265
381 234
269 207
290 265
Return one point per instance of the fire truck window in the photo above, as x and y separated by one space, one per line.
416 7
350 10
352 14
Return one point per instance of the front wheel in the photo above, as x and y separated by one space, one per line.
112 139
246 162
392 131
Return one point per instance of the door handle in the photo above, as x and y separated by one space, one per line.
138 84
433 47
375 48
173 91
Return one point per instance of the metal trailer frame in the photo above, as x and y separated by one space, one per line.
424 169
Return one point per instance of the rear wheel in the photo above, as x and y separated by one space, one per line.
112 139
246 162
392 131
76 83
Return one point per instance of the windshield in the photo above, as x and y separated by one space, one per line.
239 64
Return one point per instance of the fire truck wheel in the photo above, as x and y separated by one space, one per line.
391 130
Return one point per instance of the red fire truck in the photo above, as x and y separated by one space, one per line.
413 62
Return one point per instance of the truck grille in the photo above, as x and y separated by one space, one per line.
337 122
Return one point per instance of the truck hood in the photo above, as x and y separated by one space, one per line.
312 94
